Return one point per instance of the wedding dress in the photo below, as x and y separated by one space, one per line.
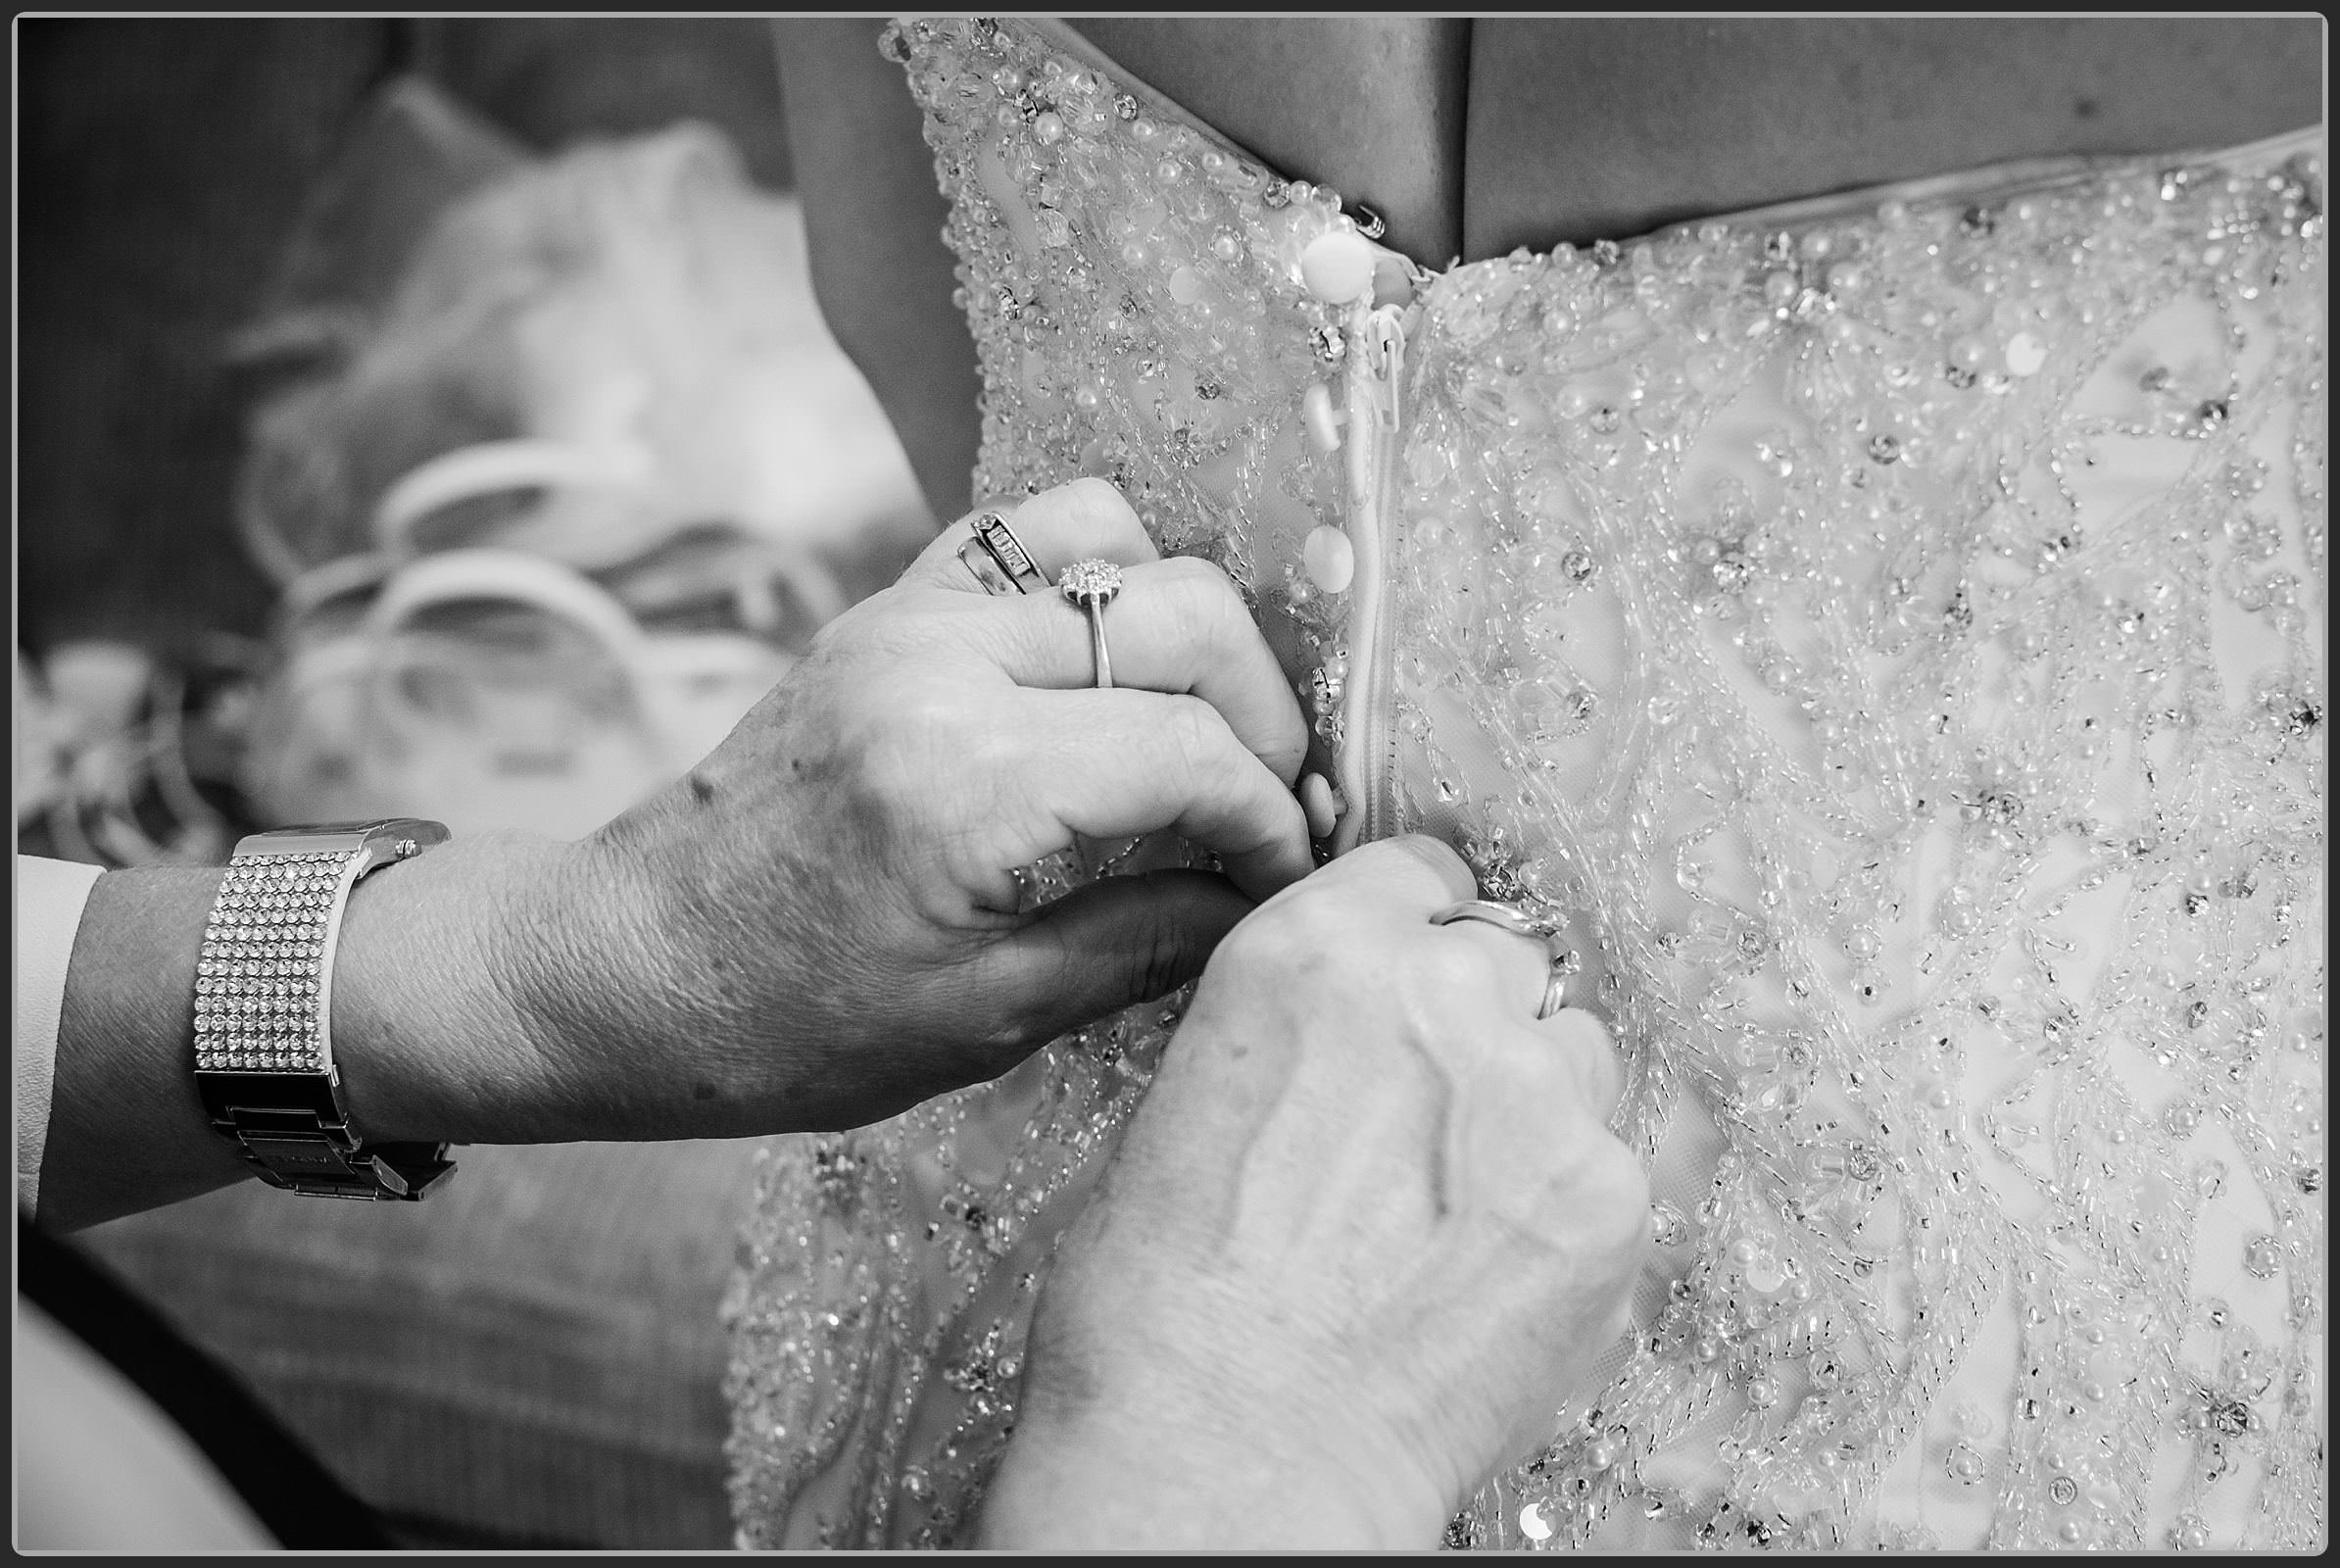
1889 630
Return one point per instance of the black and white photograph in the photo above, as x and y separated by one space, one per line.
1171 783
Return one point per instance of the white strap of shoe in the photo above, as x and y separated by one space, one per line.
492 467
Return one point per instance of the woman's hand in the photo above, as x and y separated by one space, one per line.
1364 1237
820 926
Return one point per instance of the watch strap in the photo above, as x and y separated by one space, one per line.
263 1045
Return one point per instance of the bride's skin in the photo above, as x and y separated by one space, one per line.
1471 136
1474 135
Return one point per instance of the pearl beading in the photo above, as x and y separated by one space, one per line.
1892 638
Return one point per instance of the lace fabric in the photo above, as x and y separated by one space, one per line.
1889 633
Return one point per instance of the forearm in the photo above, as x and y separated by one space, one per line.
803 934
430 1024
1072 1499
1150 1418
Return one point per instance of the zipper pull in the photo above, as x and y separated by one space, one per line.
1384 354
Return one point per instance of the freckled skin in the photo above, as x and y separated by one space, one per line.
1364 1191
814 929
824 917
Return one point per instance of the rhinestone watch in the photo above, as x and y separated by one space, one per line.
264 998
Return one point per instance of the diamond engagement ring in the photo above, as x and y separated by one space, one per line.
1559 962
1090 586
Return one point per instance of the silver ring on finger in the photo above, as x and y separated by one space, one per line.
1555 990
1559 963
997 540
1563 965
1090 586
988 573
1490 912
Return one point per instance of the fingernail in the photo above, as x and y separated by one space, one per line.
1322 802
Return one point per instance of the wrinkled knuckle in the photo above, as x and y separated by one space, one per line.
886 623
852 627
981 743
1096 497
1276 940
1193 574
1434 856
1444 973
914 713
900 736
892 770
1156 967
1201 600
1531 1072
1195 737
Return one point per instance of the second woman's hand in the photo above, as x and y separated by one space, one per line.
1361 1242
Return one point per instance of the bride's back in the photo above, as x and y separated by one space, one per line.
1471 136
1474 135
1886 631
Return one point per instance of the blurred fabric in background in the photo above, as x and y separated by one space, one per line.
428 414
575 358
554 500
162 163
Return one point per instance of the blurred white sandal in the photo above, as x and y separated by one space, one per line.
489 689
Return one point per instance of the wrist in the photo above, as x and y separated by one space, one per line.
126 1129
439 1030
1135 1474
637 997
678 987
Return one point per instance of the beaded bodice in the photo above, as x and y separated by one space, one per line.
1888 633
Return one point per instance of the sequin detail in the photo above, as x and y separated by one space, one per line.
1892 636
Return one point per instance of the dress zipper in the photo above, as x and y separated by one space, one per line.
1368 762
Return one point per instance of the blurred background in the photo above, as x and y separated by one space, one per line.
426 417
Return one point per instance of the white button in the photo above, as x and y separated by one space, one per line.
1337 267
1324 421
1331 560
